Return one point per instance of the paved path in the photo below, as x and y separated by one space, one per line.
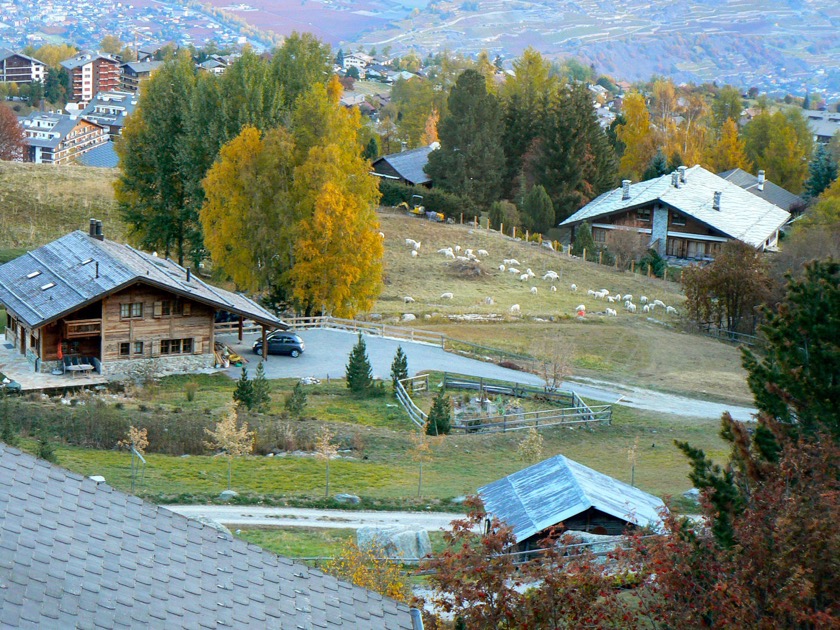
327 351
236 515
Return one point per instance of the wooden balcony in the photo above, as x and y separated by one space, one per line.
82 328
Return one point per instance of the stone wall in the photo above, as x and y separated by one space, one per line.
659 228
159 366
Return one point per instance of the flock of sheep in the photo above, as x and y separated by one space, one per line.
512 266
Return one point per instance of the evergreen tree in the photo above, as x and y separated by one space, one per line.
674 162
440 415
399 367
806 102
823 172
55 85
352 72
260 388
46 449
583 240
470 160
537 210
359 373
243 394
8 432
371 151
339 58
657 167
296 401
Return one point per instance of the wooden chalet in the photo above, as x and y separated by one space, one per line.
563 494
687 214
406 167
83 297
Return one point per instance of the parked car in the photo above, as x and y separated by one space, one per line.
281 343
8 386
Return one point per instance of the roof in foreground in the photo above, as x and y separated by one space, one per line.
742 215
410 164
78 554
103 156
774 194
547 493
60 277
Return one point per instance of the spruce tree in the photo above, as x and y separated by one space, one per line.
296 401
583 240
260 388
243 394
823 172
657 166
399 367
537 210
440 415
359 373
46 449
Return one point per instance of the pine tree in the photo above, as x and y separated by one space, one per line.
260 388
46 449
537 210
823 172
359 373
657 167
371 151
243 394
438 422
296 401
399 367
583 240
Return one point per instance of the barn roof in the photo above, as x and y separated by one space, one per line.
62 276
75 553
547 493
776 195
742 215
409 164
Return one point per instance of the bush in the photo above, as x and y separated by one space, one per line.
399 367
260 396
190 390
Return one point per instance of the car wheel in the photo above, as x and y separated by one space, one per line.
257 350
295 354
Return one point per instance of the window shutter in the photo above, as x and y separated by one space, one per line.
158 309
187 308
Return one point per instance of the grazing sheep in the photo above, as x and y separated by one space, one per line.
652 307
617 297
611 312
382 235
671 310
530 273
410 242
646 309
659 303
604 291
514 310
502 267
446 296
414 253
581 307
627 298
462 258
457 248
483 252
408 317
489 301
553 288
450 254
512 261
631 307
468 253
572 288
523 277
590 292
408 299
445 250
643 299
550 275
513 270
534 290
610 299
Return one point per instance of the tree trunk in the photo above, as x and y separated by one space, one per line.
327 494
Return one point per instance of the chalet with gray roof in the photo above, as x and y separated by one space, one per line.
687 214
406 167
75 553
762 187
19 68
561 493
53 138
824 125
88 299
134 73
111 110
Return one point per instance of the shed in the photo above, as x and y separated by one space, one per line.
560 492
405 167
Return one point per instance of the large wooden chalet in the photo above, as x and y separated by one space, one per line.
563 494
687 214
85 297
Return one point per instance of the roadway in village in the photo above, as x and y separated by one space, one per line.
327 351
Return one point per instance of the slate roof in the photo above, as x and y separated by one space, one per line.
69 265
5 53
103 156
558 488
409 164
61 125
742 215
75 553
139 67
823 124
85 58
111 108
776 195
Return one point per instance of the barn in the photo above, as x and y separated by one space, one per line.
561 493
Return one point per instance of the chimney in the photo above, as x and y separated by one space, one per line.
189 276
625 189
92 228
682 170
761 180
97 268
675 179
716 201
98 235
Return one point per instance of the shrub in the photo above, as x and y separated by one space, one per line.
260 396
46 449
190 390
399 367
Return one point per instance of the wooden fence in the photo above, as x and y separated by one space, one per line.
368 328
417 415
731 335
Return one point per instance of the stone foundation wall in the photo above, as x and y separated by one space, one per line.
159 366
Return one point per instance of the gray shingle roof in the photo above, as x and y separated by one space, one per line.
742 215
776 195
5 53
62 124
85 58
142 66
103 156
62 264
558 488
409 164
77 554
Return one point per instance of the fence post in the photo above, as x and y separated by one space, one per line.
600 257
650 269
584 254
475 222
633 266
514 231
502 229
527 238
462 218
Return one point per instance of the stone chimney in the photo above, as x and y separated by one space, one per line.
682 170
92 228
761 180
716 201
625 189
98 232
189 274
675 179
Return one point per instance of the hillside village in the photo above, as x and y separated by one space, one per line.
412 293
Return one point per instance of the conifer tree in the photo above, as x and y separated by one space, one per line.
438 422
359 373
583 240
46 449
657 167
399 367
537 210
243 394
823 172
296 401
260 388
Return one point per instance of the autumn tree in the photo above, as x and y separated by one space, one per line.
302 62
780 144
12 137
230 438
111 45
413 102
727 104
52 54
367 567
530 448
637 137
137 441
728 151
422 445
325 450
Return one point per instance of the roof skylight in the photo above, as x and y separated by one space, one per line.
49 285
33 274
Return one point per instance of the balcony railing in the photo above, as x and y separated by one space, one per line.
82 328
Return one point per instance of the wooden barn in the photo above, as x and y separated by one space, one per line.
406 167
85 300
564 494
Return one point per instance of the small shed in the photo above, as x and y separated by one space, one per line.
406 167
560 492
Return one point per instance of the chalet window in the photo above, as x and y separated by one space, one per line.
125 349
176 346
134 310
677 219
643 214
599 235
138 347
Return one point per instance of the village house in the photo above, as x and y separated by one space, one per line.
405 167
88 299
20 68
824 125
134 73
111 109
91 73
76 553
53 138
762 187
687 214
562 494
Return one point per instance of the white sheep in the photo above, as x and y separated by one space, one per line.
602 294
444 250
652 307
414 253
513 270
553 289
610 299
530 273
646 308
631 307
627 298
409 317
483 252
450 254
533 290
514 310
462 258
512 261
611 312
410 242
617 297
590 292
572 287
523 277
580 307
408 299
446 296
671 310
416 245
457 248
502 267
489 301
468 253
659 303
604 291
643 299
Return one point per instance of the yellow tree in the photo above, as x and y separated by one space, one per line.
325 450
54 54
728 152
137 441
230 438
530 449
637 135
664 109
367 567
430 133
422 444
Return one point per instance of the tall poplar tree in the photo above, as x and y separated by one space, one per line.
637 136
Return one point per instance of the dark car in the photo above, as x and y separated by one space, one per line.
281 343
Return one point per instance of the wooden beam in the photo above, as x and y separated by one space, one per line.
264 340
241 319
